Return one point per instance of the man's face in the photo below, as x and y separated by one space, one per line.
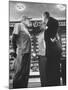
28 22
44 18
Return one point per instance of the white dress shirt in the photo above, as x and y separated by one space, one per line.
41 44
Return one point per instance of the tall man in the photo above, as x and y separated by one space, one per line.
21 40
53 52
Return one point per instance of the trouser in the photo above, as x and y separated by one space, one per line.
63 71
42 69
22 74
53 55
53 71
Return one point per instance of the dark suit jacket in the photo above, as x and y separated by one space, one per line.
52 47
52 28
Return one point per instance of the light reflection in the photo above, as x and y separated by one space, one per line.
60 7
20 7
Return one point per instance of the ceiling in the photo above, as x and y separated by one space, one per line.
35 10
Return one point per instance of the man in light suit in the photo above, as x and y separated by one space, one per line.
22 45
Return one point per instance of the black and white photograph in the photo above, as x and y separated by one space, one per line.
37 44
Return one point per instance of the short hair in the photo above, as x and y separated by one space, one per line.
47 14
24 18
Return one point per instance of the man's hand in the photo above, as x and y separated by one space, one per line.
53 39
43 26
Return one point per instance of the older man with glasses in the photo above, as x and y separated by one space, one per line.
21 39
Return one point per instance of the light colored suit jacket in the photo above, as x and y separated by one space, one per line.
23 41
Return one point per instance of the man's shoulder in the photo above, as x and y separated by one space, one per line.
17 24
53 20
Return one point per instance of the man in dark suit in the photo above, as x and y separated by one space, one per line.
53 51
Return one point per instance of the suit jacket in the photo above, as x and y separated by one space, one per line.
52 48
52 29
21 38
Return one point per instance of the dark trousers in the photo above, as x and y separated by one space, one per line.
53 71
21 77
53 55
49 66
63 71
42 69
